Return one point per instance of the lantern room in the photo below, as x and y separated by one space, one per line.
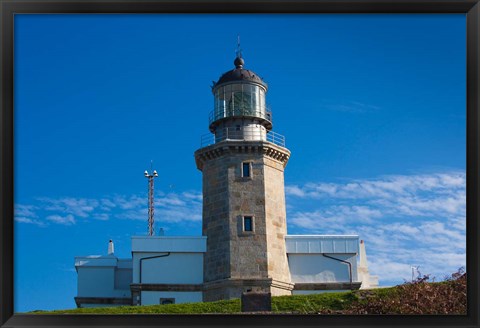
239 102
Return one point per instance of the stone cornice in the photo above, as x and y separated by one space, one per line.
166 287
248 282
226 147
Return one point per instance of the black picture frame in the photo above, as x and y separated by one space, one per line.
471 8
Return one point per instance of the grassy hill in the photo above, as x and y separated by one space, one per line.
419 297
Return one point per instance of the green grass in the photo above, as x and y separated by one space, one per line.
314 303
418 297
296 304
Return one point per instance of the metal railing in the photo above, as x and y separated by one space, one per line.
232 112
236 134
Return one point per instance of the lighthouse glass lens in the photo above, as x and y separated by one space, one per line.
239 99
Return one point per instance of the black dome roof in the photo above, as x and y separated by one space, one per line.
239 74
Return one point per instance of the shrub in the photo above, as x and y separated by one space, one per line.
421 296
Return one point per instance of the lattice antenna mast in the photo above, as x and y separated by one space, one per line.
150 177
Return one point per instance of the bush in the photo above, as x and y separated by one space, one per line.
422 296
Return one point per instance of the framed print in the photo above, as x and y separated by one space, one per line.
144 152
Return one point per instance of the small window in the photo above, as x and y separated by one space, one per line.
247 223
165 301
246 170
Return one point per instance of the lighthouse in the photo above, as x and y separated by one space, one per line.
244 217
244 249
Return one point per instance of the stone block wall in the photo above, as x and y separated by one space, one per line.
216 223
238 260
276 222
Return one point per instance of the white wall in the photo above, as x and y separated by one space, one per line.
310 268
123 279
100 282
177 268
153 297
103 276
96 281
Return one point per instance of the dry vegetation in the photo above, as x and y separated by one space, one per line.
421 296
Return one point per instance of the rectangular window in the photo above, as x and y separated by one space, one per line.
247 223
246 169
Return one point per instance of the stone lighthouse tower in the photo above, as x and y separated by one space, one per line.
244 216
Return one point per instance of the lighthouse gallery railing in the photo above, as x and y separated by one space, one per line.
243 135
260 112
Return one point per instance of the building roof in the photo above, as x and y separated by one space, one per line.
181 244
239 74
321 244
102 261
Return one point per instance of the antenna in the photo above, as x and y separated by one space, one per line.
150 177
239 50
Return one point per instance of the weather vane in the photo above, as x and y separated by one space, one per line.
239 50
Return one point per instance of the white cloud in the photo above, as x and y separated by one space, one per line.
25 210
458 223
170 199
394 267
194 195
333 218
129 202
390 270
101 216
22 219
405 229
294 191
417 195
27 214
178 215
81 207
107 204
133 214
385 187
169 208
65 220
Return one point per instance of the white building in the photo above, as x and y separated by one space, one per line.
103 281
166 270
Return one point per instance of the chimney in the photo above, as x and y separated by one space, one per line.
363 255
110 247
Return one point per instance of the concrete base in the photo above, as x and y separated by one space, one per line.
255 302
234 288
102 301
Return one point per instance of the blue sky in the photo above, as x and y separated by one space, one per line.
372 108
